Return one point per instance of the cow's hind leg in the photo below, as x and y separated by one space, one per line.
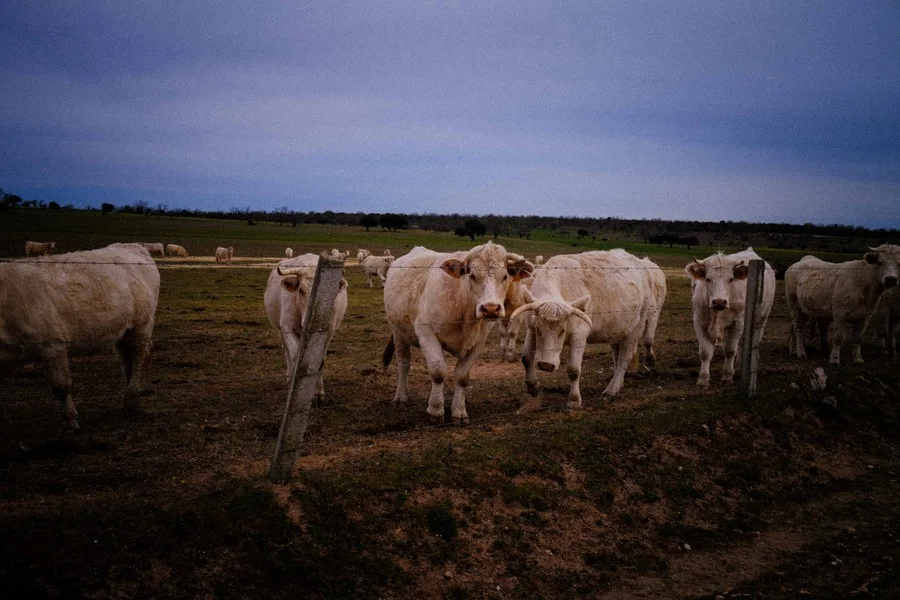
402 350
622 353
134 350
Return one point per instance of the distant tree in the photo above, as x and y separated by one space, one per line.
663 238
471 228
689 241
54 205
369 221
393 222
583 233
11 200
106 207
140 207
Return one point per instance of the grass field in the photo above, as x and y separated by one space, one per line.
665 491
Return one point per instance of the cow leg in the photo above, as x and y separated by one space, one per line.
706 349
856 332
402 351
134 351
622 353
57 366
437 369
382 278
573 369
798 333
369 280
729 345
840 335
291 344
458 412
528 349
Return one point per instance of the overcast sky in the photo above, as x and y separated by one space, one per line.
782 111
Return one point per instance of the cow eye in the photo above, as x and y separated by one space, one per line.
708 279
730 279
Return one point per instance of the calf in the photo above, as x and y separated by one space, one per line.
719 292
39 248
844 294
446 302
80 303
286 298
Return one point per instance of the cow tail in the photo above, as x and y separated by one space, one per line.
388 353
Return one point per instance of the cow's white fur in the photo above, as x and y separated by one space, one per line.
52 308
446 302
845 294
719 293
286 299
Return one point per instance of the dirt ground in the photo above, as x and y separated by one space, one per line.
665 491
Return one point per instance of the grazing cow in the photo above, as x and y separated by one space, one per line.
538 260
886 321
376 266
844 294
719 293
577 299
387 252
224 254
289 252
79 303
509 328
39 248
176 250
446 302
361 255
155 248
338 255
286 298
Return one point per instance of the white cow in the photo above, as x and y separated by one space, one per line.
539 260
719 293
286 298
361 255
886 321
338 255
289 252
446 302
176 250
155 248
376 266
224 254
387 252
844 294
659 290
577 299
80 303
39 248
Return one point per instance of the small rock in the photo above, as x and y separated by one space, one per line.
705 429
794 386
805 593
448 575
687 547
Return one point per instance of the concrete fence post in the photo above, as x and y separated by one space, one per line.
310 360
749 350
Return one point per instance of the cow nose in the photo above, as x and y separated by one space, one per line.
890 281
491 311
719 304
546 366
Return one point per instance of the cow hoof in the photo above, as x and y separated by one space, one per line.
461 421
574 404
435 420
703 383
533 388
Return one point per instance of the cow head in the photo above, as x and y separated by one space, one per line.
298 281
484 273
885 260
555 322
721 279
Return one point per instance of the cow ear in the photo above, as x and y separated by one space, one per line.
871 258
519 269
741 271
581 303
291 284
454 268
696 270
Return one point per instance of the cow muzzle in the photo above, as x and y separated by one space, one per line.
718 304
490 311
890 281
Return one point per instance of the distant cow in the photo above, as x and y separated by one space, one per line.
719 293
387 252
886 320
176 250
338 255
286 298
361 255
289 252
39 248
539 260
79 303
376 266
577 299
844 294
224 254
155 248
446 302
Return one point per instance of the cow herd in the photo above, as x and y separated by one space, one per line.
448 303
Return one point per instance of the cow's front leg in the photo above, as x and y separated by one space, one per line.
57 367
729 345
856 332
291 342
840 335
437 369
528 350
458 412
573 369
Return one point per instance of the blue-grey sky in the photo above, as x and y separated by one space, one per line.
751 110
